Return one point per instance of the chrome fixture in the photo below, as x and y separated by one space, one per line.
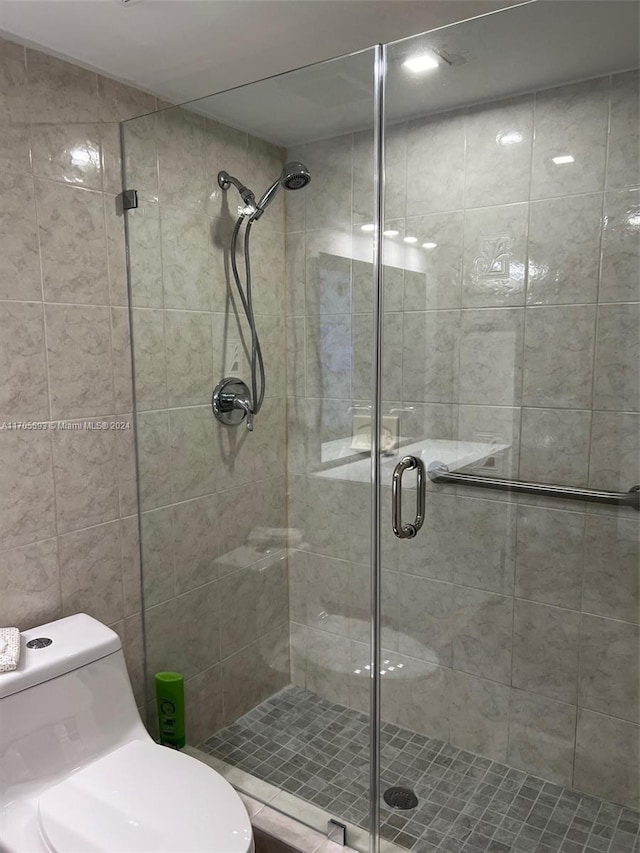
439 473
231 403
294 176
407 531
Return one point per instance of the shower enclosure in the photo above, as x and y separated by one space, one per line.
408 598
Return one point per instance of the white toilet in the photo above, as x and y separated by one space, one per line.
78 771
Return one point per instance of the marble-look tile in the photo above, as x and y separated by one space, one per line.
495 256
328 665
71 224
116 251
483 548
328 197
617 370
91 572
27 507
189 357
203 704
615 451
362 355
238 601
296 357
145 258
624 138
558 356
431 345
195 542
131 574
431 553
298 653
608 758
140 156
133 648
267 268
564 250
419 697
150 354
225 149
20 270
158 564
479 715
121 360
482 633
327 594
14 135
437 282
274 353
86 477
554 446
570 121
491 356
425 621
61 91
274 661
198 627
542 737
163 648
328 273
193 453
612 568
545 650
79 356
183 181
185 259
435 163
620 247
30 585
327 522
550 556
154 458
126 458
610 667
295 264
498 156
119 102
492 425
69 153
328 351
393 277
24 393
364 172
271 576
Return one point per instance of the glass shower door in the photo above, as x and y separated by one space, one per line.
509 667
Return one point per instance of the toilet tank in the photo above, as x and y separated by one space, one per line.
69 702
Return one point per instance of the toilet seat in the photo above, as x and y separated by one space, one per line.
144 798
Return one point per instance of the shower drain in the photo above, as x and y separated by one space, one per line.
400 798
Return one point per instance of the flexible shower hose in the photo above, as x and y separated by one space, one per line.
247 303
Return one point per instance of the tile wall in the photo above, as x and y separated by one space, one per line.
511 626
68 513
213 498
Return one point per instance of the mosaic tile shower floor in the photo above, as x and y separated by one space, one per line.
318 750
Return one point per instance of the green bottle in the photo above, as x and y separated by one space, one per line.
170 704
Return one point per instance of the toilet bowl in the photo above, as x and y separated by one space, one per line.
78 771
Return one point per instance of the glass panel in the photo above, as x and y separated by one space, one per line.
256 545
511 351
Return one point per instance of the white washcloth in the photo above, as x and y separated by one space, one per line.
9 649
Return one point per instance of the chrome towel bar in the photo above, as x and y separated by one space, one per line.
438 472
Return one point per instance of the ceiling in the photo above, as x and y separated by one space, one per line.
185 49
521 49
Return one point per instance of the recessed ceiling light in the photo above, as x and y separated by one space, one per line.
368 227
410 239
420 62
429 245
509 137
564 158
391 233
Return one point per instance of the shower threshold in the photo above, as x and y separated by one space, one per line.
318 751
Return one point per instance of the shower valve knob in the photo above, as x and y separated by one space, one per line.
231 402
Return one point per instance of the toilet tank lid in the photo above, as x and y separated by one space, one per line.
75 641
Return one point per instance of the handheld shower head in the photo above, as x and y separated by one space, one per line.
294 176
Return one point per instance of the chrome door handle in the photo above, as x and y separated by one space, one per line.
407 531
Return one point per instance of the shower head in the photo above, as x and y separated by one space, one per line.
294 176
225 180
